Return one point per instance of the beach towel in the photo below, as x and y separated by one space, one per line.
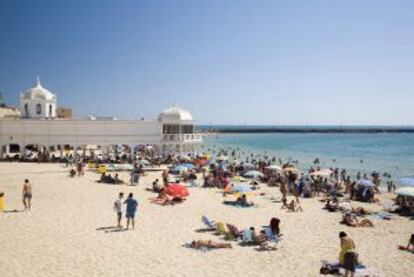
360 271
382 216
237 205
202 249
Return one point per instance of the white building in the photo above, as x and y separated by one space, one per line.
38 102
172 132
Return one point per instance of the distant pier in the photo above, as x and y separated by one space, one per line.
305 129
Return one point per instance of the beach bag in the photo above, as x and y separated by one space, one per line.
327 269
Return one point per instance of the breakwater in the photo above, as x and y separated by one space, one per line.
305 129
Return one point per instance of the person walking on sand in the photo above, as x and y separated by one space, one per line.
348 258
27 195
131 208
118 209
2 202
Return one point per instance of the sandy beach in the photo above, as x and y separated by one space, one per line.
64 234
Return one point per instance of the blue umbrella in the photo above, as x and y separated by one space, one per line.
143 162
243 188
408 181
365 183
179 169
187 165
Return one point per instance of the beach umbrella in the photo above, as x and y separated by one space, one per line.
365 183
405 191
253 174
201 162
177 190
143 162
248 166
408 181
323 173
183 157
274 167
222 158
187 165
179 169
242 188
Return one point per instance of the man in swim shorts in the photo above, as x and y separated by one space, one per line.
131 208
27 194
118 208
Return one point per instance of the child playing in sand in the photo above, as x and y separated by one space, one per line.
294 206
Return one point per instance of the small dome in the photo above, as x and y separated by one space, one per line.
175 113
39 92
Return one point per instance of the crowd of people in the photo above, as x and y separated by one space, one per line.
334 186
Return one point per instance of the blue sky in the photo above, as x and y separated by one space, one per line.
228 62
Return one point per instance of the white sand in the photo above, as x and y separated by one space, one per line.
58 237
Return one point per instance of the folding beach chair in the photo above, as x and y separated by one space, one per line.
221 230
211 224
233 230
247 237
270 235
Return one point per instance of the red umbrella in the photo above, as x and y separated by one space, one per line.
201 162
176 190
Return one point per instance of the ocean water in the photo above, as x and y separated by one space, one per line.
391 153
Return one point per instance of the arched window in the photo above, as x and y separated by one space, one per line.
26 110
39 109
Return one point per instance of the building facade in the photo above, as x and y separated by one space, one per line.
172 132
62 112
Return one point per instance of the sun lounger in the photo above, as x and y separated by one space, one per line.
382 216
211 224
221 230
233 230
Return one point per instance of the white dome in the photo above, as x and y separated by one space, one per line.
175 113
39 92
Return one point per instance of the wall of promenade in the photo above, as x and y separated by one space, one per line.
79 132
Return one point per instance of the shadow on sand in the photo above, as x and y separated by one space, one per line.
13 211
204 230
111 229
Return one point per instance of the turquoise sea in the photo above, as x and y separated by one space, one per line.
392 152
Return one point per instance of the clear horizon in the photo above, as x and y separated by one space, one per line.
227 62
